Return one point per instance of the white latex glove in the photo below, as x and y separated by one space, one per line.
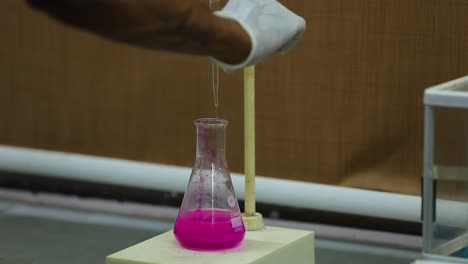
271 26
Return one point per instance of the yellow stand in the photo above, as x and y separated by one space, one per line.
272 245
252 220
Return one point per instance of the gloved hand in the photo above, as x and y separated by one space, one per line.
271 26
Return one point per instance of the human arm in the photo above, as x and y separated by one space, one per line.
174 25
243 33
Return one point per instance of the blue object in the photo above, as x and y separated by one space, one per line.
462 253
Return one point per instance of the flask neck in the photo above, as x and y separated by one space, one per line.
211 139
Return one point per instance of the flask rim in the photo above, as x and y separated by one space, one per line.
211 122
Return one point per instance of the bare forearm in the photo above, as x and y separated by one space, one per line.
175 25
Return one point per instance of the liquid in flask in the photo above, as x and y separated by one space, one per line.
209 217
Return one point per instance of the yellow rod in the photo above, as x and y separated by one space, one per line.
249 139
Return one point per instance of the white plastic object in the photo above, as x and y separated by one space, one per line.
271 26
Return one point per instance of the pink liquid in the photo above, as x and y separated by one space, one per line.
206 229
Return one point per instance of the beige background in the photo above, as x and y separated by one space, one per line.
344 107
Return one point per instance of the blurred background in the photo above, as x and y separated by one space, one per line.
342 110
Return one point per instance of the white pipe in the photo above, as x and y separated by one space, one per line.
173 178
143 216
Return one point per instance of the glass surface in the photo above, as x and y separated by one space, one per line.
209 217
451 139
450 229
450 234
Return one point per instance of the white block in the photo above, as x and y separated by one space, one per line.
272 245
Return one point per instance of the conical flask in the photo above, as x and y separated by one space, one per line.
209 217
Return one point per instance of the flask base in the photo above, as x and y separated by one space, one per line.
210 247
209 229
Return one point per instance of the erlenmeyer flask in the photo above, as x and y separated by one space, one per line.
209 217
